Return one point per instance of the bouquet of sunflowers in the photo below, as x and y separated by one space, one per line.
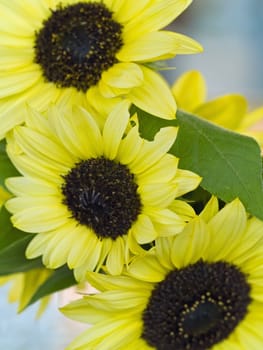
111 177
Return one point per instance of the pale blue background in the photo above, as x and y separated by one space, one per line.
231 32
52 331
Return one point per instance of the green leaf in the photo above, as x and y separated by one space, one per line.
149 125
13 260
13 244
229 163
7 169
8 234
61 278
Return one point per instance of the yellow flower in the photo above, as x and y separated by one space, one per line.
69 51
201 289
93 195
24 285
229 111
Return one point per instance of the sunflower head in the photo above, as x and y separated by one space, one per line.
94 195
201 289
77 43
201 305
87 52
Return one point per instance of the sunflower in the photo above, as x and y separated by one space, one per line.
65 51
93 194
229 111
24 285
202 289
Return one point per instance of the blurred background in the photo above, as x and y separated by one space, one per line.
231 33
25 332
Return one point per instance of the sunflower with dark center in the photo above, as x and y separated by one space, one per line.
199 290
93 195
86 53
77 43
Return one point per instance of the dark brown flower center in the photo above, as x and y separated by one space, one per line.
102 195
196 307
77 43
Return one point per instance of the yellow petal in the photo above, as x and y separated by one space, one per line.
186 181
249 335
22 26
36 121
104 282
163 171
133 246
22 186
115 259
227 111
16 58
189 246
96 334
10 115
93 257
114 129
143 229
13 109
32 280
23 79
152 151
84 241
157 45
30 219
210 209
33 12
72 127
82 310
43 148
158 194
163 251
43 305
249 247
155 16
10 42
153 95
110 92
123 76
189 90
57 249
129 146
227 228
147 269
38 244
122 336
125 10
101 105
166 222
183 209
36 169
